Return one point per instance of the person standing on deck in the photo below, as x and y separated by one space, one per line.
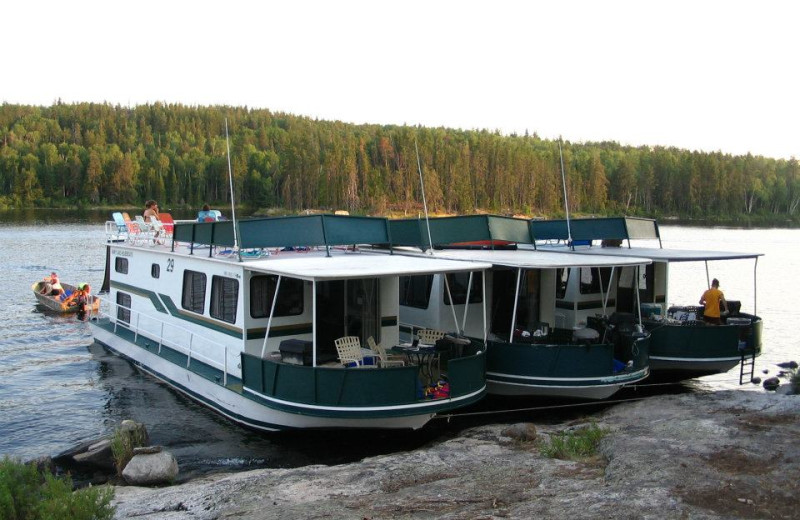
714 301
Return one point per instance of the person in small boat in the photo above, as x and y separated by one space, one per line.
713 301
80 297
51 286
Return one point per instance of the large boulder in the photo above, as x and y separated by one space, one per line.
97 455
151 469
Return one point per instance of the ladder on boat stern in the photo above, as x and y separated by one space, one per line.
747 365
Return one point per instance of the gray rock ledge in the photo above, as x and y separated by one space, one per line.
730 454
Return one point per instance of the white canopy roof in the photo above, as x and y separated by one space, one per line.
358 265
530 259
665 255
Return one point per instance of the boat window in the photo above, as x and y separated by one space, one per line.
262 291
458 288
121 265
562 276
415 291
194 291
591 278
224 298
124 307
155 271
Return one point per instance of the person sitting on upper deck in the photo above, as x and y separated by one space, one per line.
51 286
713 300
205 215
150 210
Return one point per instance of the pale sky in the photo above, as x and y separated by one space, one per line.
699 75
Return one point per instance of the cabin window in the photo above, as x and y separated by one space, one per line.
121 265
194 291
415 291
155 271
595 280
562 277
262 292
123 307
458 283
224 298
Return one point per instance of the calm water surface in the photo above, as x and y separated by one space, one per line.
57 388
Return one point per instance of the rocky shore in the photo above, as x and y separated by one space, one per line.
729 454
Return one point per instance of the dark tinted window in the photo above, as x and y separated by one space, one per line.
458 288
155 271
121 265
562 276
262 291
124 307
591 279
224 298
415 291
194 291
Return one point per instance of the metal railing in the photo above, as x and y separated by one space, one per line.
110 310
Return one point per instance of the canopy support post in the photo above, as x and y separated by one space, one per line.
516 300
269 321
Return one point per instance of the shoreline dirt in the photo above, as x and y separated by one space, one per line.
728 454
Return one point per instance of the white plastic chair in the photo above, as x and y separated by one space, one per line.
349 350
384 360
429 336
145 230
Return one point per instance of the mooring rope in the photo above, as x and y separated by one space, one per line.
536 408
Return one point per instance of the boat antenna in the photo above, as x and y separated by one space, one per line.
424 203
564 184
233 199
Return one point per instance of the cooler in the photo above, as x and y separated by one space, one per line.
296 351
650 309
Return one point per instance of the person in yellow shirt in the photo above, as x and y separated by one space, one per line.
714 301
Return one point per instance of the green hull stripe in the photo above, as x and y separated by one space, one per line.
582 306
280 332
388 321
213 374
200 320
140 292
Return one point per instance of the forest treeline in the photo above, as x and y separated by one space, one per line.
92 154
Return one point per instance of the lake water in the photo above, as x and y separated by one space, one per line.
57 388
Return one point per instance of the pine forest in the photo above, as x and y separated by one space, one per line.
101 155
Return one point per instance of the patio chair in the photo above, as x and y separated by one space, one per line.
349 350
168 223
134 231
146 233
159 233
384 359
430 337
122 227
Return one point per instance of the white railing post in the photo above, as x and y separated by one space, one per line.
136 331
225 369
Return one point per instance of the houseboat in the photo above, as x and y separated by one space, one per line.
549 333
681 343
244 318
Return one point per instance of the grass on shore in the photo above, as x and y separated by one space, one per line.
579 444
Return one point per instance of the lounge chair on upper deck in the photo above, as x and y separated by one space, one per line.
122 228
168 224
